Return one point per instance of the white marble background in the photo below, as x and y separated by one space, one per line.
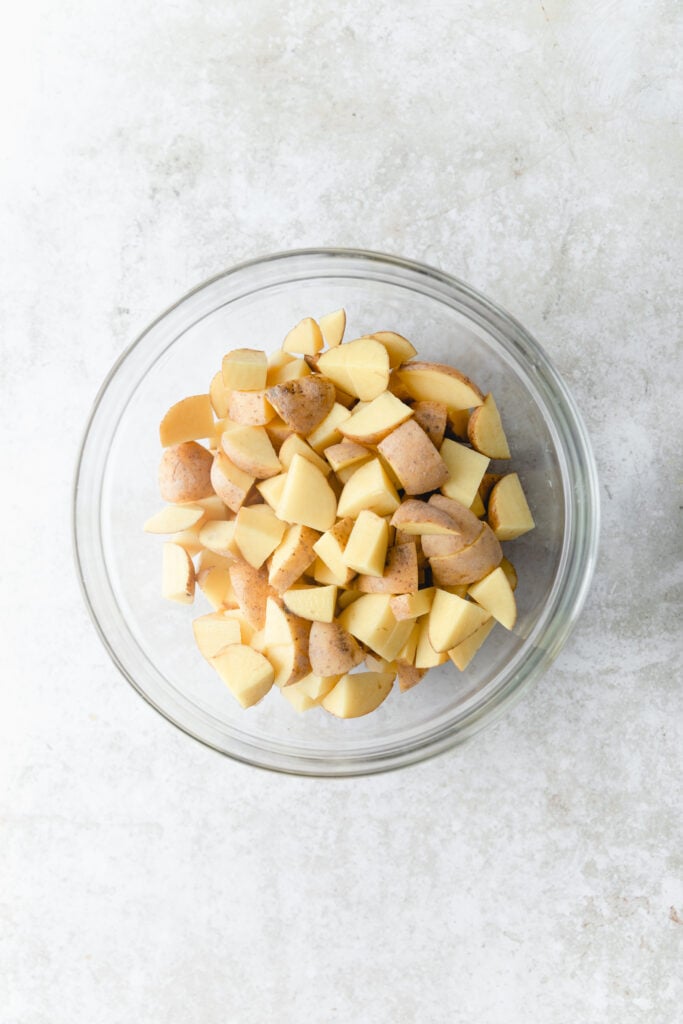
531 148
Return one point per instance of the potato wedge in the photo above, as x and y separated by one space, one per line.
316 687
187 420
369 488
297 697
219 394
508 512
333 326
495 596
330 550
465 521
471 563
366 547
231 484
452 620
375 420
347 455
413 605
327 432
399 348
432 417
435 382
305 339
462 655
214 631
291 369
409 676
511 573
359 367
185 473
250 449
425 655
465 471
177 576
317 604
296 445
457 421
175 518
485 430
289 656
245 369
303 404
307 498
399 576
414 459
358 694
332 649
251 591
216 586
271 489
247 674
218 535
292 557
258 532
418 518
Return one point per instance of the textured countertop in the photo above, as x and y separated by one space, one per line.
535 875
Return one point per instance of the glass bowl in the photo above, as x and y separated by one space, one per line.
254 305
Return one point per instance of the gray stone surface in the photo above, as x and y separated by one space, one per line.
534 875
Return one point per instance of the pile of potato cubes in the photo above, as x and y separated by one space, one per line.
340 512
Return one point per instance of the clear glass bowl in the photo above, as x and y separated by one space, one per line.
254 305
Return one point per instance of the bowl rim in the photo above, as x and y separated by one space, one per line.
568 604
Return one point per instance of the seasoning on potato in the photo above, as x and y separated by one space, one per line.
334 504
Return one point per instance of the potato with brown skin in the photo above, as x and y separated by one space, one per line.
400 573
488 482
437 382
332 650
230 483
469 564
414 459
409 676
423 519
292 558
251 592
432 417
185 472
465 521
304 403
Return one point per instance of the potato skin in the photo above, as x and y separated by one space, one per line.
469 564
185 472
414 458
303 403
332 650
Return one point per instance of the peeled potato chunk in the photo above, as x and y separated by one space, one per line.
327 432
452 620
330 550
435 382
399 348
485 430
174 518
358 694
495 595
245 369
359 367
305 339
316 604
366 547
215 631
177 580
465 471
294 445
412 606
376 419
187 420
249 449
258 532
333 326
307 498
508 511
462 655
247 674
369 488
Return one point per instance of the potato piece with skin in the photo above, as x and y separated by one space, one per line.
366 548
399 577
467 524
249 449
488 482
321 573
317 604
413 605
330 550
371 423
250 408
219 395
406 656
358 694
296 445
477 507
465 471
496 598
303 404
457 421
399 348
471 563
408 676
278 431
258 532
316 687
369 488
251 592
425 655
292 369
359 367
432 417
327 432
177 575
305 339
485 430
231 484
371 621
185 473
307 498
511 573
347 597
245 369
286 639
299 700
187 420
174 518
213 632
219 536
452 620
216 586
333 326
418 518
345 455
508 512
462 655
414 459
398 388
271 489
436 382
247 674
292 557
